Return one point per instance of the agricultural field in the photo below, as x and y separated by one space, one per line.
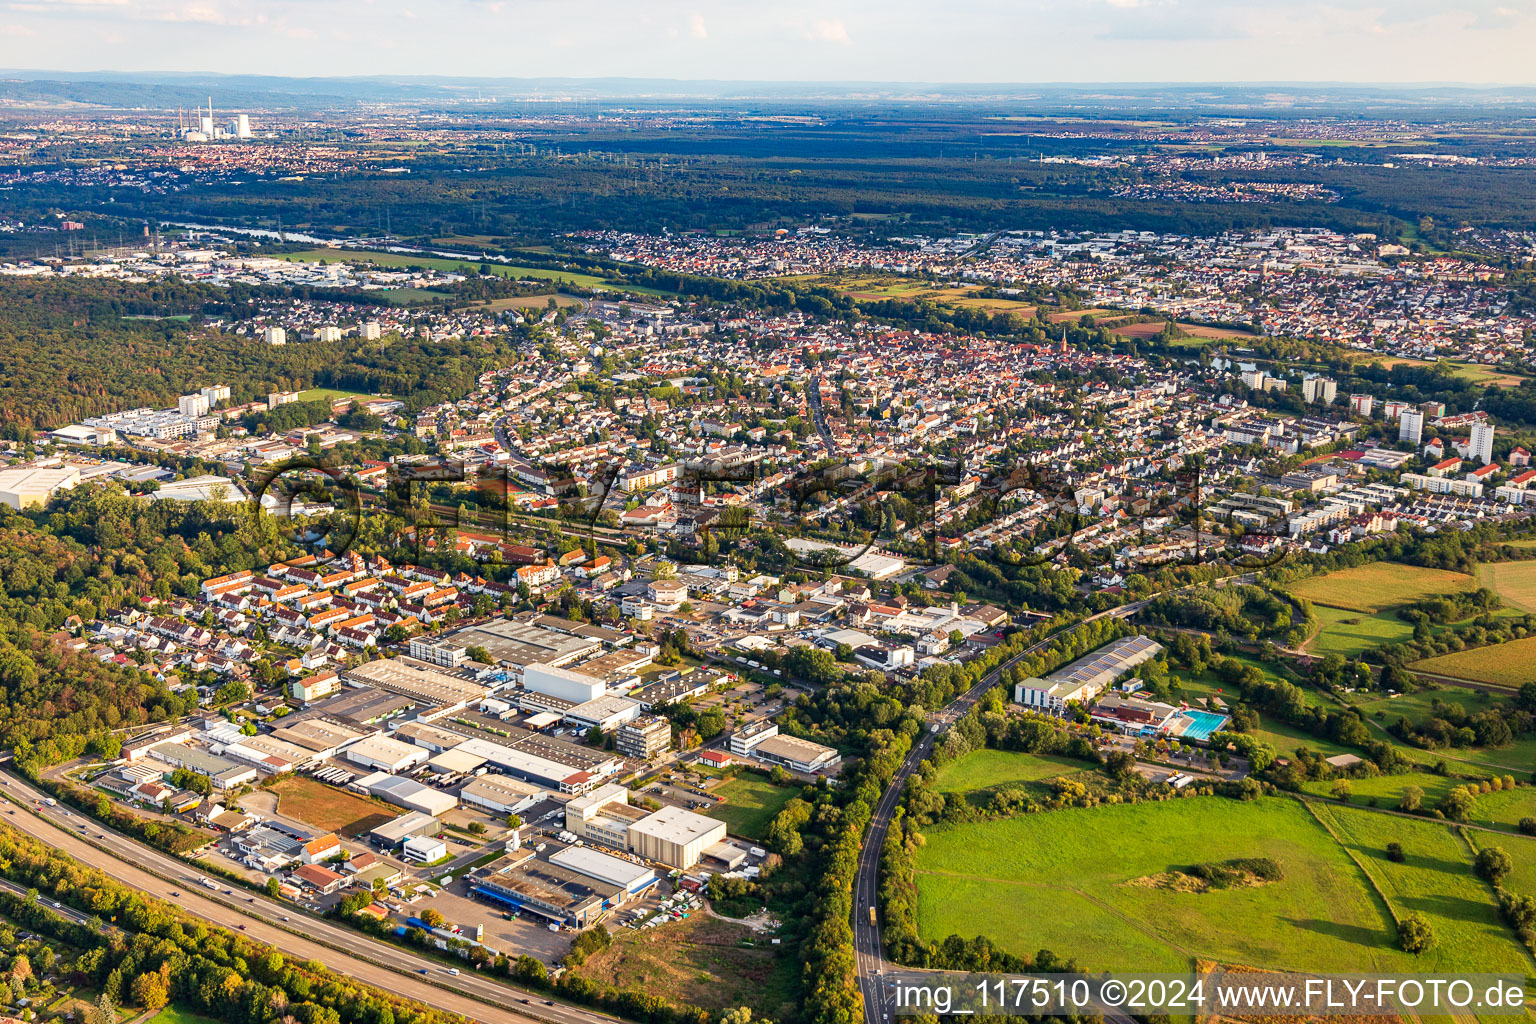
986 771
751 802
697 962
1514 582
317 804
1196 333
532 302
1379 586
1090 884
1508 665
879 287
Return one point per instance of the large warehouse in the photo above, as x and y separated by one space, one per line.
577 687
385 754
674 836
1087 677
635 878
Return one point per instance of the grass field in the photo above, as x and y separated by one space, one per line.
697 962
1381 585
172 1015
397 259
1436 880
317 804
1518 758
750 804
985 771
1510 664
1515 582
1066 881
1348 632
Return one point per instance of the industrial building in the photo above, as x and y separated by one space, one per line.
675 837
419 681
577 687
407 793
520 644
385 754
634 878
392 833
672 836
34 485
1087 677
499 794
557 894
797 754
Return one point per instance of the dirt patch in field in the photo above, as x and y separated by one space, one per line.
317 804
698 962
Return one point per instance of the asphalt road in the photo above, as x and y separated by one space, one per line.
349 953
869 951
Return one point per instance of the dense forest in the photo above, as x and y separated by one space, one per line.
72 349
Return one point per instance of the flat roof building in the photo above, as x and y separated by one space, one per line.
674 836
499 794
1087 677
385 754
797 754
574 686
608 869
547 890
418 681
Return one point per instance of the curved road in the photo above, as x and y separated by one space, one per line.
307 937
869 951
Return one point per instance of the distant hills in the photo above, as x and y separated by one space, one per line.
165 90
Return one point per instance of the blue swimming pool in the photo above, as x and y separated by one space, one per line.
1202 724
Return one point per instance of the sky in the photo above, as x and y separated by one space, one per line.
1011 41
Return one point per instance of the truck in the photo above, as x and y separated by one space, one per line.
872 921
207 883
50 801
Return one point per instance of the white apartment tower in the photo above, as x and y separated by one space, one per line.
1321 390
192 405
1482 443
369 330
1410 426
275 336
215 394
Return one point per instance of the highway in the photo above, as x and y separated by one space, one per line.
307 937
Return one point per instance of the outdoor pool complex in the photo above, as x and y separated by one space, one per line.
1201 725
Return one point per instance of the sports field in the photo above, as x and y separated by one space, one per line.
750 804
317 804
1081 883
1511 664
332 394
1515 582
1381 585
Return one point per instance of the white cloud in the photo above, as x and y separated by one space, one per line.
828 30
